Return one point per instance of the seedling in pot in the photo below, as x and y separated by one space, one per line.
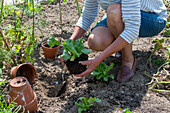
84 103
101 72
73 53
50 47
52 42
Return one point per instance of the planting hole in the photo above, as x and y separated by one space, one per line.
18 82
24 80
62 90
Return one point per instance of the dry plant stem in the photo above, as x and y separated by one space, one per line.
153 78
7 45
61 22
166 71
152 87
6 63
161 67
33 21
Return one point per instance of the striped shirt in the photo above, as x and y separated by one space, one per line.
130 14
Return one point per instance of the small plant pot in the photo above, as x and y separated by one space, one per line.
49 53
75 67
22 93
26 70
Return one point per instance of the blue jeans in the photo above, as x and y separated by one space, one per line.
151 24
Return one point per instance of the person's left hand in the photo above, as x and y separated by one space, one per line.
91 66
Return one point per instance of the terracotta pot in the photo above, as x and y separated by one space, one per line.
26 70
49 53
21 91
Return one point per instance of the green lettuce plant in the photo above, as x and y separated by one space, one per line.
102 71
84 103
73 50
51 42
126 111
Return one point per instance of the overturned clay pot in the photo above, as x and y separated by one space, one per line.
22 93
26 70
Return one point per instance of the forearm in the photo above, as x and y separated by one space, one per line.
116 46
78 33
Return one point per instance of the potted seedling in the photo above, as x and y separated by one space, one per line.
73 53
101 72
50 47
84 103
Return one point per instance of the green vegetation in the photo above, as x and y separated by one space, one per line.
84 103
73 50
101 72
7 104
126 111
51 42
17 39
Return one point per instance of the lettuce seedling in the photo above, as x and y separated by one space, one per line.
126 111
102 71
51 42
73 50
84 103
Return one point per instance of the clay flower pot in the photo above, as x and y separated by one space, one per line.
49 53
26 70
21 91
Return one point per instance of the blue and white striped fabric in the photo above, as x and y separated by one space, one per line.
130 14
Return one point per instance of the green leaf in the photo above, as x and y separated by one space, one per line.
99 76
102 71
92 100
51 42
94 73
66 55
105 78
28 58
75 50
80 110
126 111
28 50
17 48
86 51
111 76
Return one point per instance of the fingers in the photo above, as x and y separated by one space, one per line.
85 73
84 62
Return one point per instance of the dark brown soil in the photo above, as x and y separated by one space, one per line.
75 67
133 95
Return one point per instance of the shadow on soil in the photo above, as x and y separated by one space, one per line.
113 94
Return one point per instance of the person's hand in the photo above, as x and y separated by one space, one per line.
91 66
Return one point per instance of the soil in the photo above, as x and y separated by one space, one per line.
57 96
46 45
75 67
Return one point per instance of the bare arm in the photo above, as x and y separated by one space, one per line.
78 33
117 45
